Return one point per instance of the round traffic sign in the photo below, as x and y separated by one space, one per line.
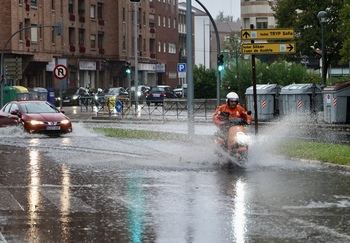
60 71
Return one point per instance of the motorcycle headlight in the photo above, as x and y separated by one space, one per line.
242 138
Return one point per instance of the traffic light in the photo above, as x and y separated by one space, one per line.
220 62
128 67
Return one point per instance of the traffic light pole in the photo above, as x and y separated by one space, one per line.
218 77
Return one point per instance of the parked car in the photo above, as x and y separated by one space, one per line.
141 93
156 94
71 97
35 116
181 91
117 92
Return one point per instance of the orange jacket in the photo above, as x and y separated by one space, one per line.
237 112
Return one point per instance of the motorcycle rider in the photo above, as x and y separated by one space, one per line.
233 108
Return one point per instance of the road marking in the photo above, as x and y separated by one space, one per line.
67 202
8 202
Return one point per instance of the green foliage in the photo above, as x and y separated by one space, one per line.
324 152
302 17
204 82
221 18
344 16
280 72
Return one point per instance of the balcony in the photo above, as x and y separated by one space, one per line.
82 49
101 22
153 55
71 17
81 19
101 50
72 48
27 6
152 30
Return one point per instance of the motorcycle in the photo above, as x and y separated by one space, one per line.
232 141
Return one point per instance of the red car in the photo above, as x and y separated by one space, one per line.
35 116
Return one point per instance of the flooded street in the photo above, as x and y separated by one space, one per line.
85 187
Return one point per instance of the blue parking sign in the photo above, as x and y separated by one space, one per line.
181 67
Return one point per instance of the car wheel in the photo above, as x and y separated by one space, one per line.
21 127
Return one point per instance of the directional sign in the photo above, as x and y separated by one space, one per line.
254 34
268 48
60 71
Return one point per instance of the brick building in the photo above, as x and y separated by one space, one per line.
97 39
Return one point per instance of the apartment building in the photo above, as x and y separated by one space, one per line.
258 13
98 37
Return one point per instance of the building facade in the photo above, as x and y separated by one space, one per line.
258 13
97 39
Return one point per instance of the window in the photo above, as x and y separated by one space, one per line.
164 47
93 41
99 10
261 23
100 39
71 36
34 33
70 6
159 18
164 21
169 22
81 35
124 15
159 46
33 2
20 26
172 48
52 4
53 39
92 11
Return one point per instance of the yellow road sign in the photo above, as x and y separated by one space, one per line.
268 48
255 34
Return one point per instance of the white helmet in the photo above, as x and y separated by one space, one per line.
232 96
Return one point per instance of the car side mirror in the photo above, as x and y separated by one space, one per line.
15 112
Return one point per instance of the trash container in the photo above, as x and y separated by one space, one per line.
267 99
51 96
9 94
301 98
336 103
41 93
22 93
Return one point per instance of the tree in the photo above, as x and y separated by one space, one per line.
204 82
345 30
302 17
221 18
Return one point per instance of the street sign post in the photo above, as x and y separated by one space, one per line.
60 71
181 70
268 48
263 34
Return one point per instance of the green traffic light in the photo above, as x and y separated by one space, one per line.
128 71
220 68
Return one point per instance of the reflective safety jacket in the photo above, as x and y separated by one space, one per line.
237 112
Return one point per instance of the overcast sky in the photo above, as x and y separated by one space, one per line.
229 7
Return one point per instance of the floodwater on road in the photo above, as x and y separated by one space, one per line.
85 187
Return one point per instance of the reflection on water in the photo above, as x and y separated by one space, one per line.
136 209
239 211
33 194
65 203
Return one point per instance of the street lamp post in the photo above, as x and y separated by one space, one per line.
322 18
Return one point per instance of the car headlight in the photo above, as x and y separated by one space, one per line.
64 122
75 97
138 93
34 122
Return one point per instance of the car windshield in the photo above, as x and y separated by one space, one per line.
158 89
37 107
